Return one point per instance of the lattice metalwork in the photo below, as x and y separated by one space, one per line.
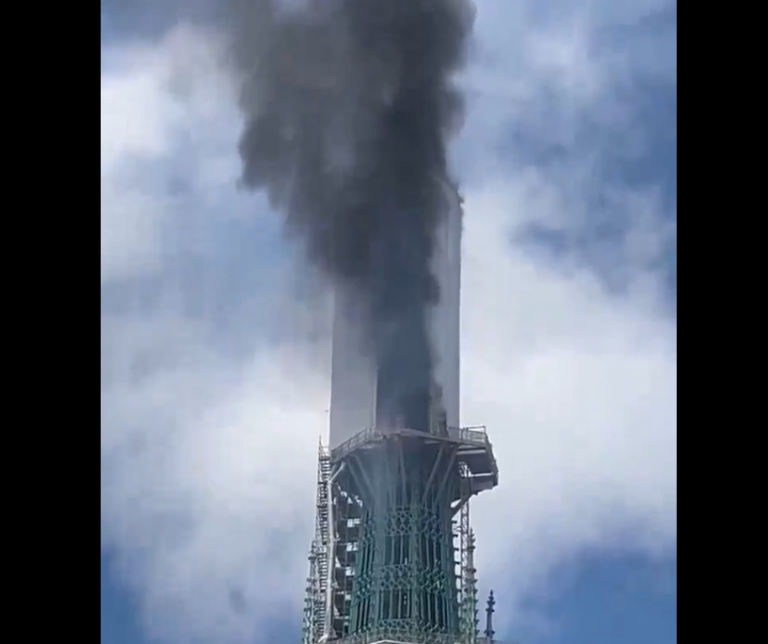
405 583
397 573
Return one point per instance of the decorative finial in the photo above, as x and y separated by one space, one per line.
489 632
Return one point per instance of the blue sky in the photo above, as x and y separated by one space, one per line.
214 338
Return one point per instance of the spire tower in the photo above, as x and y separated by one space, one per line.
392 561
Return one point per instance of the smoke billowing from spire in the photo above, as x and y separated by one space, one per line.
349 105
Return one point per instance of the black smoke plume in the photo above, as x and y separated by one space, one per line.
349 105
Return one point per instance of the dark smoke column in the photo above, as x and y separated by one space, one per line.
349 105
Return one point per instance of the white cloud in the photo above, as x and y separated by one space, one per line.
153 100
208 458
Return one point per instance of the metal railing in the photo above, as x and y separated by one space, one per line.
471 434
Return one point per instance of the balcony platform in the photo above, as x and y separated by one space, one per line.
473 450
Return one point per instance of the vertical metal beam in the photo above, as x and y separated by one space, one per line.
432 474
331 558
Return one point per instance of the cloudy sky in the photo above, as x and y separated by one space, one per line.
214 339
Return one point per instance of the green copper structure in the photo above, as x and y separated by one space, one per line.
395 499
405 572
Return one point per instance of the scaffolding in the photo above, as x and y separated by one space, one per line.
422 586
314 603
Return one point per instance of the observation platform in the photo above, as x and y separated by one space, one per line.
471 447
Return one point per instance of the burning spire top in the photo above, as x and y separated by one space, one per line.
349 106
